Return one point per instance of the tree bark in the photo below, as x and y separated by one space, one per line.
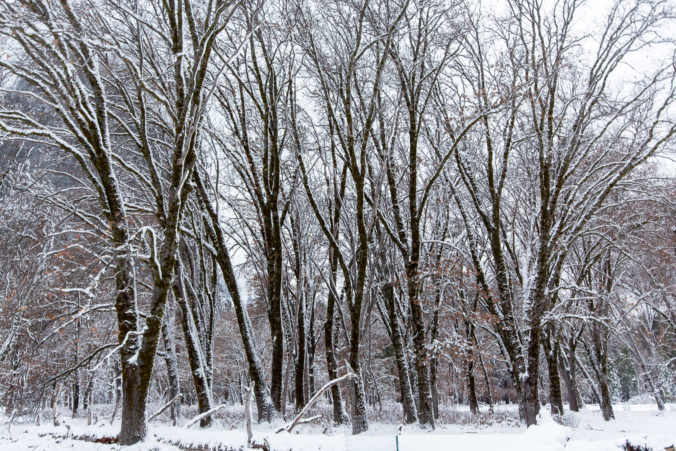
606 403
531 397
76 394
195 356
568 370
263 400
434 364
133 428
551 348
172 364
312 350
274 266
138 368
471 386
425 409
359 418
469 364
300 355
407 400
330 331
301 298
86 397
599 360
339 414
489 394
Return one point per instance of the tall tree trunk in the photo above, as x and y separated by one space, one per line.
568 370
471 386
86 397
425 410
355 304
137 369
411 256
196 359
551 348
434 367
407 399
489 393
538 305
171 362
76 394
531 398
301 300
339 414
658 393
138 361
312 350
600 366
263 400
469 368
359 419
571 389
606 403
133 428
76 383
275 318
502 305
300 354
434 361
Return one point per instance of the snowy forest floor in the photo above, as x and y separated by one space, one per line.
640 424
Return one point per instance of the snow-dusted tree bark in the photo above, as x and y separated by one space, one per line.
194 347
405 391
300 294
170 360
215 232
567 364
336 193
551 347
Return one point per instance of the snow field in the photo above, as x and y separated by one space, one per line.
582 431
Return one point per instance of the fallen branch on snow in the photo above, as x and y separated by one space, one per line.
299 418
205 414
164 407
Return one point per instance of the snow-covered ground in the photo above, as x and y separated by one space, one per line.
584 431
